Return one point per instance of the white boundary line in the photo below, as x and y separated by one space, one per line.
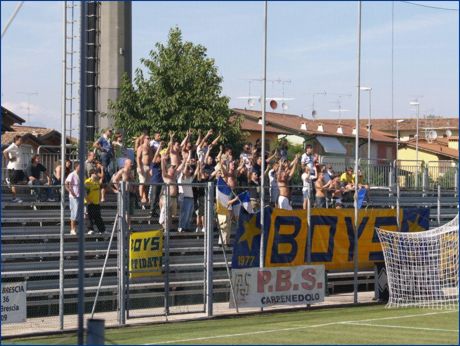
401 327
305 327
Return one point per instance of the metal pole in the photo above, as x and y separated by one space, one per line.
369 139
309 225
104 266
166 245
16 10
95 335
122 226
416 148
209 247
81 159
398 221
262 178
439 205
358 99
63 148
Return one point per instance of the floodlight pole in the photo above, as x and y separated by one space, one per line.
81 159
262 169
62 177
358 99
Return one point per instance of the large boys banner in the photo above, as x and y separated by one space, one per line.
332 232
145 254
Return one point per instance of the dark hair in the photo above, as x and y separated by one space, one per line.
308 146
32 159
16 138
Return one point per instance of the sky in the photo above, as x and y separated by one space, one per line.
312 47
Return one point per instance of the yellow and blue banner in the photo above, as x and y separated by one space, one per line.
332 233
145 254
223 195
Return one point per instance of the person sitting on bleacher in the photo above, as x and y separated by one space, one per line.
33 173
92 200
346 181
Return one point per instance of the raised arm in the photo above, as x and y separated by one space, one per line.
214 142
186 139
294 166
157 152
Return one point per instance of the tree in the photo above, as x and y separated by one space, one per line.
181 90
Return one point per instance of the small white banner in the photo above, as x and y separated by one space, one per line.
301 285
14 307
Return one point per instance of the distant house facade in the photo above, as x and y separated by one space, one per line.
328 139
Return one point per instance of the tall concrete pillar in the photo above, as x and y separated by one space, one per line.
115 54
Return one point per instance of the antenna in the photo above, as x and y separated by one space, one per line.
29 94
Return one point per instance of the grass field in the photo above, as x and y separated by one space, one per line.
350 325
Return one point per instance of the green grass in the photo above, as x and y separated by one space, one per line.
350 325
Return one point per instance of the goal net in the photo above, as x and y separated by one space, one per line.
422 267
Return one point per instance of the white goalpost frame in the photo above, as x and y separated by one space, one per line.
422 267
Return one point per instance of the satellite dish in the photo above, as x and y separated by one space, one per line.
313 113
273 104
448 133
431 136
285 106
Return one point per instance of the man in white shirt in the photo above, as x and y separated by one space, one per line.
72 185
307 157
12 155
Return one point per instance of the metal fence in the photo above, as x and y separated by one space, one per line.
194 269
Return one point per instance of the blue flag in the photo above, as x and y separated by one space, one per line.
246 249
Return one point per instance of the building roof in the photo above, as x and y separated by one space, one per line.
253 125
290 124
435 147
389 125
9 118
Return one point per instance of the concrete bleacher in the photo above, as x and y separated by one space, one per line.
30 252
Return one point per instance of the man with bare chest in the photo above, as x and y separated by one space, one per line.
143 159
284 177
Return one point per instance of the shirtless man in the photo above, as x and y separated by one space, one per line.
321 190
284 177
169 175
126 174
143 159
174 150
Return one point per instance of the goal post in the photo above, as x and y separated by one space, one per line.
422 267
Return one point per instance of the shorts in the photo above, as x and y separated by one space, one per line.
320 202
305 194
201 205
143 177
283 203
73 204
16 176
274 195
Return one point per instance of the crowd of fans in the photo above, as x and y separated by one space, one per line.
181 163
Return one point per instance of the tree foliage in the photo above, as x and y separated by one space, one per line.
180 89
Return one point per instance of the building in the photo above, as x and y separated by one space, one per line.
407 128
329 139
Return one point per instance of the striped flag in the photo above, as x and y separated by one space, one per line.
243 200
223 195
